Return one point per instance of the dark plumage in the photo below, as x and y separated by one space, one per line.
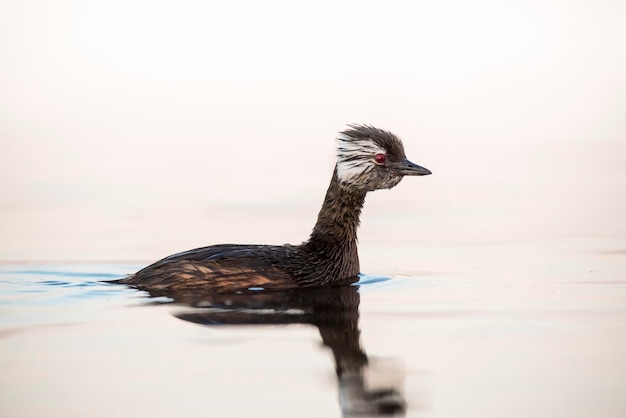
367 159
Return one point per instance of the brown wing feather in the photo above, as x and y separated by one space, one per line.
219 268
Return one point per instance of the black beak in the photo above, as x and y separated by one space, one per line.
407 168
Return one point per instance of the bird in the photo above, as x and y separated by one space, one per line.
368 159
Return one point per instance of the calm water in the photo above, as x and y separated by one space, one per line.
518 339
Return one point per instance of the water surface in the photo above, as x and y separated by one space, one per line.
544 340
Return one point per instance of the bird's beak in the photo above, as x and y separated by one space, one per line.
407 168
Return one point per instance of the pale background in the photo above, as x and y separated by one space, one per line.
130 130
133 129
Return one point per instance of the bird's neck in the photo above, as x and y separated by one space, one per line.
334 234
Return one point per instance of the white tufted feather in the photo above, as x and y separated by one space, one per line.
355 157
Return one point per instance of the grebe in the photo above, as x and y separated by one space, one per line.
368 159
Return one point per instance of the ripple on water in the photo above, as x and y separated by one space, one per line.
49 295
52 294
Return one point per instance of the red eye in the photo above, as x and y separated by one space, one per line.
380 158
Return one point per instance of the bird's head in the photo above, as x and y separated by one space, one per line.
369 159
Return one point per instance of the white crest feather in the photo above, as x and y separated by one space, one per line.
355 157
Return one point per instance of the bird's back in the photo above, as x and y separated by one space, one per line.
220 268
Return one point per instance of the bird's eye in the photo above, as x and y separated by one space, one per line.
380 158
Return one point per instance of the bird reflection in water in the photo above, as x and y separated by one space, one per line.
334 311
